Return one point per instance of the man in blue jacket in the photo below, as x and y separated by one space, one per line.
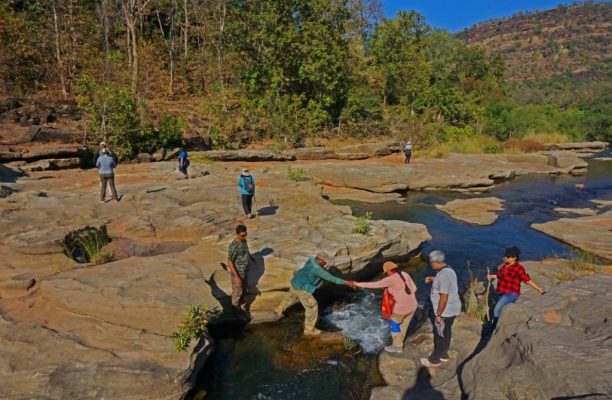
305 281
247 191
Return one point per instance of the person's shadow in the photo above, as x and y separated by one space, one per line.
223 298
257 268
423 389
265 211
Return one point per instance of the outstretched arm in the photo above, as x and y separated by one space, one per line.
326 276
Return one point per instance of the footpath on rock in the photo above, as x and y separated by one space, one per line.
70 330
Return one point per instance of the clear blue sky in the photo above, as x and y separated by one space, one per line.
454 15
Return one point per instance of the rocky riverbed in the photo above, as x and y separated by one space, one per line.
69 329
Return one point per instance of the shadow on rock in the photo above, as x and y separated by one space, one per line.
265 211
423 389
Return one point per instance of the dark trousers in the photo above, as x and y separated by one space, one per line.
247 203
442 344
110 180
408 154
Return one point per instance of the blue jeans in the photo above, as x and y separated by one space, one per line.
503 301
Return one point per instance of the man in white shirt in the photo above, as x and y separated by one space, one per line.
446 305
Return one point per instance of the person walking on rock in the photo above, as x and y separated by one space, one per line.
303 284
509 277
446 305
106 165
183 162
238 259
399 302
247 191
408 152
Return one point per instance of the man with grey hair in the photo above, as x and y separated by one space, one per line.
303 284
446 305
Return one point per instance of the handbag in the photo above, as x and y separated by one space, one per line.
388 302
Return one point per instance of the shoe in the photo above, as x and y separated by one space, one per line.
393 349
426 363
443 359
314 332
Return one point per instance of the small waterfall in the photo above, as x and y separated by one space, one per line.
361 322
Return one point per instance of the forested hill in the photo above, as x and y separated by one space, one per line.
571 43
143 73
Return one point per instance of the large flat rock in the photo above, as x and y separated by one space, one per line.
478 211
556 345
591 233
455 172
105 331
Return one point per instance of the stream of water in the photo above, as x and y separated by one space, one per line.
268 361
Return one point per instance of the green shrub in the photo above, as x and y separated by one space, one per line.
362 224
493 149
193 325
349 344
218 141
296 174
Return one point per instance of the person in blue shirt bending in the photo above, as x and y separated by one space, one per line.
247 192
183 162
305 281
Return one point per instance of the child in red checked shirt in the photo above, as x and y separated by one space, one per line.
509 278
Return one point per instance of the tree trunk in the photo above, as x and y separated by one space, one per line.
186 28
58 53
221 13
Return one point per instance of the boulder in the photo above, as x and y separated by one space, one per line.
245 155
159 155
554 346
52 164
589 147
313 153
566 160
406 378
144 158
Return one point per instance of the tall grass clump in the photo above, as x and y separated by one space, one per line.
584 262
92 244
193 325
362 224
296 174
476 298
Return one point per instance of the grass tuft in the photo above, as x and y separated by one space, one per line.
296 174
584 262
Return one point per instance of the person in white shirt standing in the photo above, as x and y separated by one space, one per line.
446 306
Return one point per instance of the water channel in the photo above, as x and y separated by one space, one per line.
270 362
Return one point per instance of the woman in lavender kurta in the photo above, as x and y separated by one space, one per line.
402 288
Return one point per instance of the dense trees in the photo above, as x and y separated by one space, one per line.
284 69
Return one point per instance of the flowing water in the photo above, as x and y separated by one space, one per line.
270 361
